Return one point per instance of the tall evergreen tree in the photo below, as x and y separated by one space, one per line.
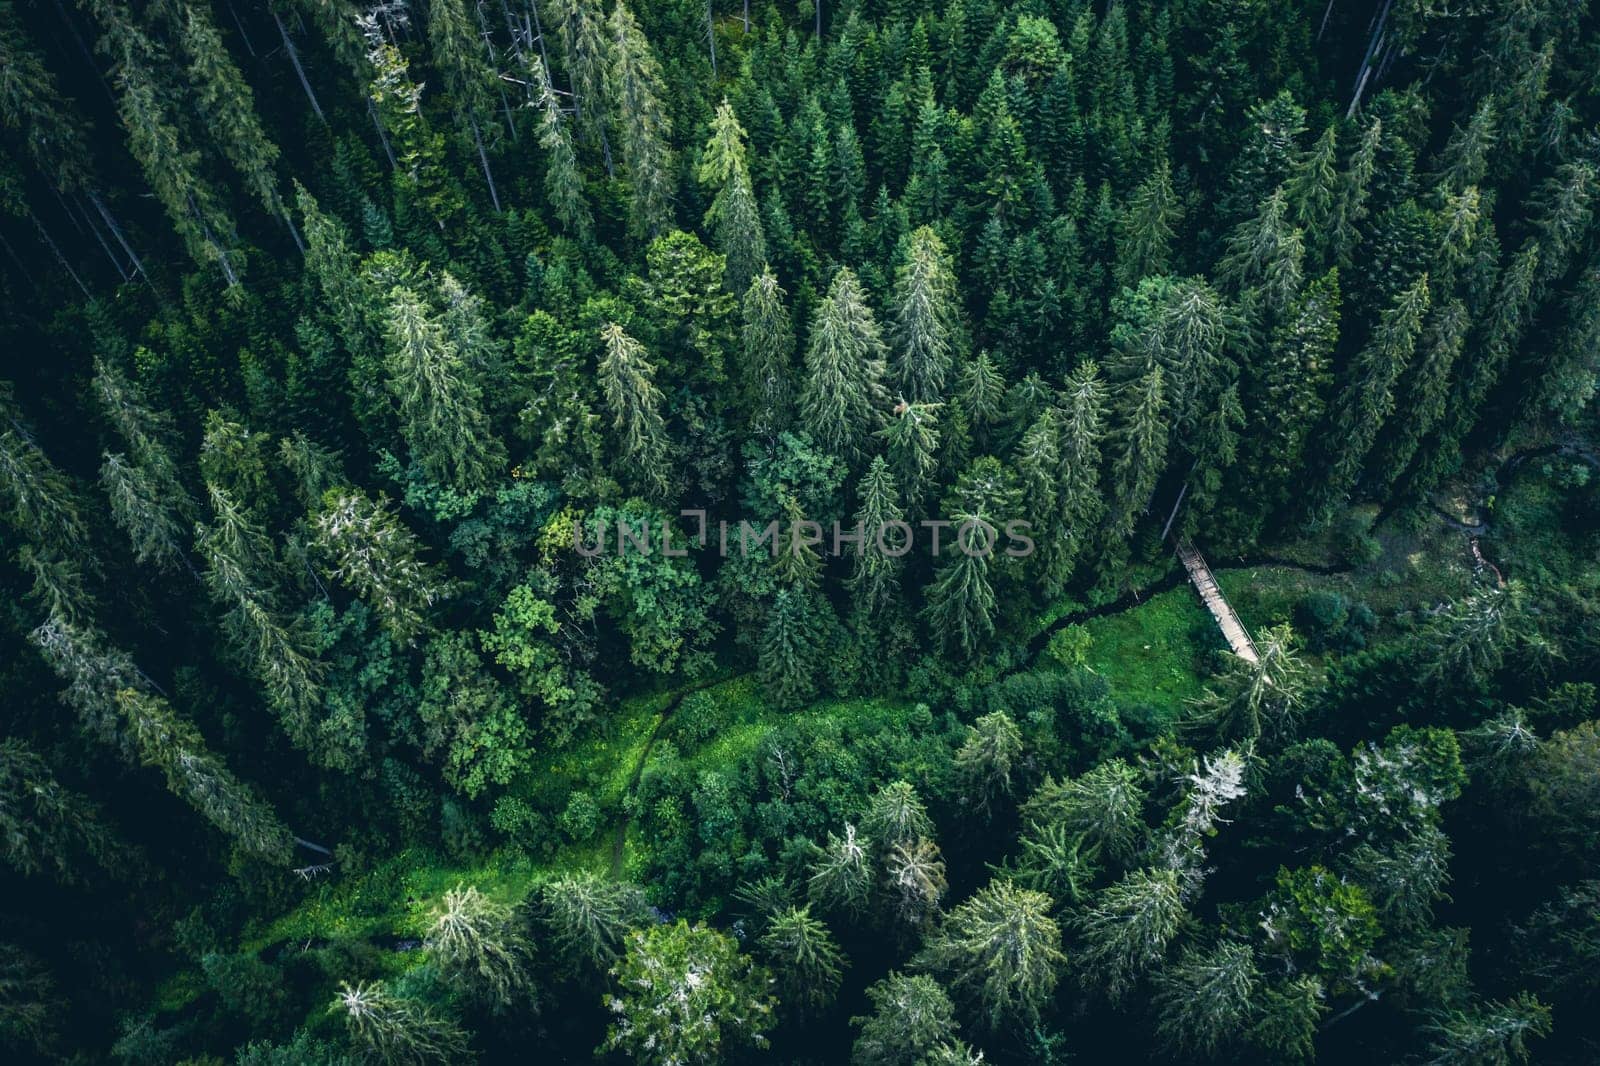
1367 398
733 216
927 331
440 403
842 399
644 129
628 379
768 351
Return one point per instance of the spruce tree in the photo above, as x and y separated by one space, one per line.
875 572
767 354
961 601
1140 450
1367 398
440 402
912 442
791 648
927 331
644 129
563 180
1267 253
842 399
1002 948
1127 929
375 556
397 1030
808 963
628 380
1205 1000
911 1017
1146 229
733 216
172 744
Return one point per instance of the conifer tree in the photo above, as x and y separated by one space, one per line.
1266 252
791 648
1355 187
475 939
1465 159
1292 393
980 395
226 103
808 963
1426 392
589 917
1127 929
927 330
44 824
841 874
1141 449
912 440
42 505
733 216
375 556
1311 190
457 52
1260 697
992 748
644 129
1368 395
842 400
172 744
440 407
628 379
1205 999
914 872
911 1016
896 815
581 26
194 207
1144 239
875 573
397 1030
1079 502
1100 807
239 571
335 267
144 511
1495 1033
768 352
685 994
563 180
1002 948
94 671
961 603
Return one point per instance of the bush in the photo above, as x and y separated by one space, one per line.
581 819
1069 646
698 718
1354 543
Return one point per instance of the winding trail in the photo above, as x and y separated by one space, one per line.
619 839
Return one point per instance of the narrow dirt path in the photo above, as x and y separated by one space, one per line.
619 840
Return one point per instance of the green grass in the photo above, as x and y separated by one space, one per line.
1152 654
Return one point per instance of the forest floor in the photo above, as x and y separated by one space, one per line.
1155 644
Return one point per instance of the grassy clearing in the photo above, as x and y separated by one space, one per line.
1153 654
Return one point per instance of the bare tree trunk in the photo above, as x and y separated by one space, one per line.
747 16
300 72
533 7
116 231
44 235
394 164
243 33
1374 43
819 18
483 157
711 36
1324 27
101 241
283 213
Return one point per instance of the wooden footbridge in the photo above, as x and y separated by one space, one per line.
1205 584
1200 575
